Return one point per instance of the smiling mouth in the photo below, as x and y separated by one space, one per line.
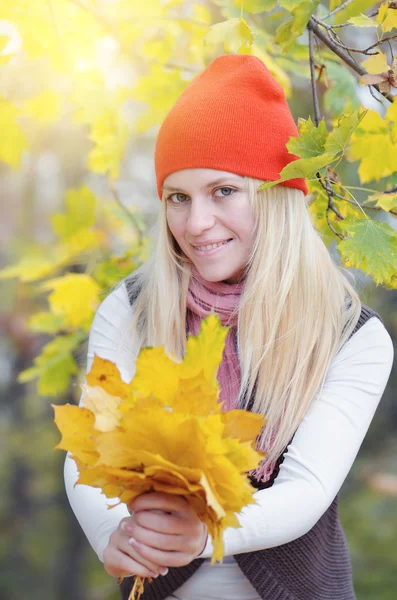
211 246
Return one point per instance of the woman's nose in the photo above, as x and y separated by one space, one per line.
200 218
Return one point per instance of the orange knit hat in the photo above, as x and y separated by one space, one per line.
233 117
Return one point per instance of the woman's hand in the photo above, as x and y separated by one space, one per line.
120 559
173 538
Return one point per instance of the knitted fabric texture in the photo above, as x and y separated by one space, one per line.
315 566
232 117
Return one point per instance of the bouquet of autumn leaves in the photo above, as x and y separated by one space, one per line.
166 432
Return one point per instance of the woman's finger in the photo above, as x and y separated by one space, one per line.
160 501
156 556
120 564
126 546
159 521
155 539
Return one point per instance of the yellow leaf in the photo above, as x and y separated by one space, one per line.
242 425
109 134
13 141
362 21
233 34
376 64
104 406
45 107
76 425
201 13
372 143
80 213
204 352
159 89
386 201
35 266
74 296
387 17
105 374
156 374
211 499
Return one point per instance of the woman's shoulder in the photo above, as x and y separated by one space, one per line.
369 341
116 305
366 314
111 335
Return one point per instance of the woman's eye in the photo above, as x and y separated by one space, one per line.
226 191
177 198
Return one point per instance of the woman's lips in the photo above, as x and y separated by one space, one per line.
199 251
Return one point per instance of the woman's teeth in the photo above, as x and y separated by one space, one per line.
210 246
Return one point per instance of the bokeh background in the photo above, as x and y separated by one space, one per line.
43 552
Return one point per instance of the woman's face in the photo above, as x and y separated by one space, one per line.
210 217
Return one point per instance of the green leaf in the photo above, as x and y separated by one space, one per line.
386 200
109 272
362 21
34 267
311 140
338 138
294 26
303 167
371 247
45 322
54 366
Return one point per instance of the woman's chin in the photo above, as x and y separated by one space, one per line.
218 275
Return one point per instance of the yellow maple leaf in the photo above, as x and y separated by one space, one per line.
105 374
75 296
156 374
204 352
376 64
77 427
387 17
373 143
104 406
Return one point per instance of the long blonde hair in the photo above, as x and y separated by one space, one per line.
296 311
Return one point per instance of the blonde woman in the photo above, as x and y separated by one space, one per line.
301 349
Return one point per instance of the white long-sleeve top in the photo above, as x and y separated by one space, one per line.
315 466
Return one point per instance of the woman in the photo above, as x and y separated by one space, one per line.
301 349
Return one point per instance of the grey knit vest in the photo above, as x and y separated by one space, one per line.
315 566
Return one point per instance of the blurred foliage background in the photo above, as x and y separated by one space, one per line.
83 87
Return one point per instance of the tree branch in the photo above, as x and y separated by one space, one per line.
316 105
342 54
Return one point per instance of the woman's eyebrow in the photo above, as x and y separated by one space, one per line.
208 185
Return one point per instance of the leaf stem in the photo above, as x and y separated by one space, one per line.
338 9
